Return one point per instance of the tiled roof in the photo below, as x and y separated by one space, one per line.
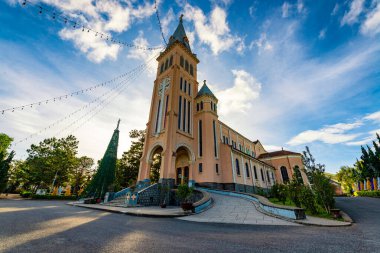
277 153
205 90
179 35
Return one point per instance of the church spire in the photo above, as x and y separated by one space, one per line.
180 35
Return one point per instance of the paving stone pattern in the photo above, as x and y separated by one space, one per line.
236 210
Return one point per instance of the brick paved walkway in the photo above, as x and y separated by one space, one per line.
229 209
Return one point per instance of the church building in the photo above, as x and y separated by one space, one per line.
197 148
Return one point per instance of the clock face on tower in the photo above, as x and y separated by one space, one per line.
164 85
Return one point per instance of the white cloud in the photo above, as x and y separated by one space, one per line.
288 9
285 9
371 25
262 43
373 116
212 30
143 55
331 134
105 17
322 34
239 98
271 148
351 17
371 137
335 10
166 20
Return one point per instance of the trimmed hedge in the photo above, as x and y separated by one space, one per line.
369 194
26 194
54 197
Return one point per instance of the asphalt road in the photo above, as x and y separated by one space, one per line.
52 226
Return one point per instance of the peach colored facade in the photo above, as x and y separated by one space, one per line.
195 146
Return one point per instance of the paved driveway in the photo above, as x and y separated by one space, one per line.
235 210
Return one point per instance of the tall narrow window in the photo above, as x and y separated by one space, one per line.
166 109
197 107
171 60
297 173
191 70
262 175
268 176
217 168
214 131
162 67
284 174
255 171
188 116
181 61
189 89
158 114
200 167
237 167
166 64
247 170
180 83
224 139
184 115
212 105
200 137
186 65
201 105
179 111
185 86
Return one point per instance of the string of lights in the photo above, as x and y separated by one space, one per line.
159 22
67 96
103 105
60 17
97 99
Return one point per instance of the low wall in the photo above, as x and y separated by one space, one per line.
287 212
202 204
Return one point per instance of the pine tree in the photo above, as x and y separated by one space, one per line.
104 177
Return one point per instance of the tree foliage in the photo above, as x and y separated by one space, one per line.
5 160
128 166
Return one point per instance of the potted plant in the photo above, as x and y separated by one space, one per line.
184 193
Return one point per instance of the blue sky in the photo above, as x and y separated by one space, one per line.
289 73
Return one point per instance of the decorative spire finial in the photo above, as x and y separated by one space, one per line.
204 82
118 123
180 18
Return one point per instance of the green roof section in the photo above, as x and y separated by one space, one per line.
205 90
180 35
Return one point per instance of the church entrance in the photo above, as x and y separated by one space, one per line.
182 166
155 166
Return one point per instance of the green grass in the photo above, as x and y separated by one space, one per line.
321 212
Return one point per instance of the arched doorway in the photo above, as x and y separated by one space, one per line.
155 166
182 165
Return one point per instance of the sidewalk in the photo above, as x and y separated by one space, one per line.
148 211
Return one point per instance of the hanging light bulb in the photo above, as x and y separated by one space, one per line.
53 15
40 12
75 24
24 3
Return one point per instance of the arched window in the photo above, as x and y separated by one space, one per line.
262 175
181 61
284 174
237 166
268 176
162 67
297 174
247 170
191 70
166 64
186 65
201 105
255 171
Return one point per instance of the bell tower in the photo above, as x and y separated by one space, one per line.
170 128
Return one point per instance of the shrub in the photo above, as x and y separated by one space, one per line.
26 194
294 192
307 200
184 192
54 197
279 191
368 193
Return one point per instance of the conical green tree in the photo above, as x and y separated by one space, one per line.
104 177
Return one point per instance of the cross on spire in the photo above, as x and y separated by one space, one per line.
180 18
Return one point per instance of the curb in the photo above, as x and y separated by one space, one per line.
131 213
